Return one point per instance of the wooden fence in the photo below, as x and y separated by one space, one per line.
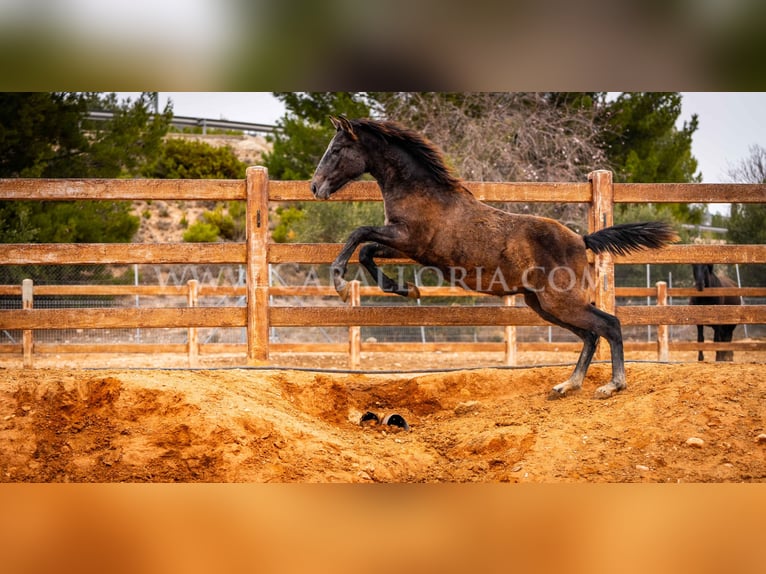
258 252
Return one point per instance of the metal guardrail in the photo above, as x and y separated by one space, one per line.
698 228
204 123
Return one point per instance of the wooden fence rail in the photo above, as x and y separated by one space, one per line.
258 252
331 316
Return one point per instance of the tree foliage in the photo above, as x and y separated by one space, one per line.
521 136
747 221
49 135
504 136
39 133
550 136
129 143
188 159
642 142
226 222
643 145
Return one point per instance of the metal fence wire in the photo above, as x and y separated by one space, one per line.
149 275
292 275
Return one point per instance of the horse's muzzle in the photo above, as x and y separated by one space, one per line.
319 191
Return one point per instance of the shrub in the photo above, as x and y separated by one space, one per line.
202 232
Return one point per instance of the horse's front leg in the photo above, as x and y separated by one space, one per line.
367 257
700 339
385 235
339 266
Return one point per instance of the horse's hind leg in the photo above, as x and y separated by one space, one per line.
611 330
582 315
724 334
367 256
590 342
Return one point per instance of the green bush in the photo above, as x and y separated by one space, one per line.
228 221
202 232
284 231
183 159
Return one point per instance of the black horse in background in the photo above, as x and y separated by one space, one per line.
705 277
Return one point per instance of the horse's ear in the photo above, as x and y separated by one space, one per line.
341 122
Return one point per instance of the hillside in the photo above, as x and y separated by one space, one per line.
166 221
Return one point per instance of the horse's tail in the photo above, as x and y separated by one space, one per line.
628 237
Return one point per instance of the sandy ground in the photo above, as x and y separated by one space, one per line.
683 422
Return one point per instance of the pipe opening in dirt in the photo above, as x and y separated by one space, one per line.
369 419
395 420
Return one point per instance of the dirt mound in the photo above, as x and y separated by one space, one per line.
677 422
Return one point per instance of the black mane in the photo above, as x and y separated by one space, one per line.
420 148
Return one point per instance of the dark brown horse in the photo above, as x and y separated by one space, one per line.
705 277
433 219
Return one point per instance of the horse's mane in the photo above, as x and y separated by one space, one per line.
420 148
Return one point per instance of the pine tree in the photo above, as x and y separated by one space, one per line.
48 135
642 142
643 145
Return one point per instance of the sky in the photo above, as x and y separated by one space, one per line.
729 122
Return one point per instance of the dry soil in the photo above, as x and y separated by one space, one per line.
683 422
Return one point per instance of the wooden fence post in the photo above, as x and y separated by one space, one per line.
257 186
602 216
355 332
510 334
27 342
663 338
192 298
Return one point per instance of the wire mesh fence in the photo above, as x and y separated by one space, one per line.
305 276
137 275
296 275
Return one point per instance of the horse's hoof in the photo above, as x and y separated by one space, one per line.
608 390
554 395
562 390
344 290
412 291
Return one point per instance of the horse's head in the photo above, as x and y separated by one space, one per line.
702 274
344 160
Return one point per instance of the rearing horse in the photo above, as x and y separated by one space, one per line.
433 219
705 277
